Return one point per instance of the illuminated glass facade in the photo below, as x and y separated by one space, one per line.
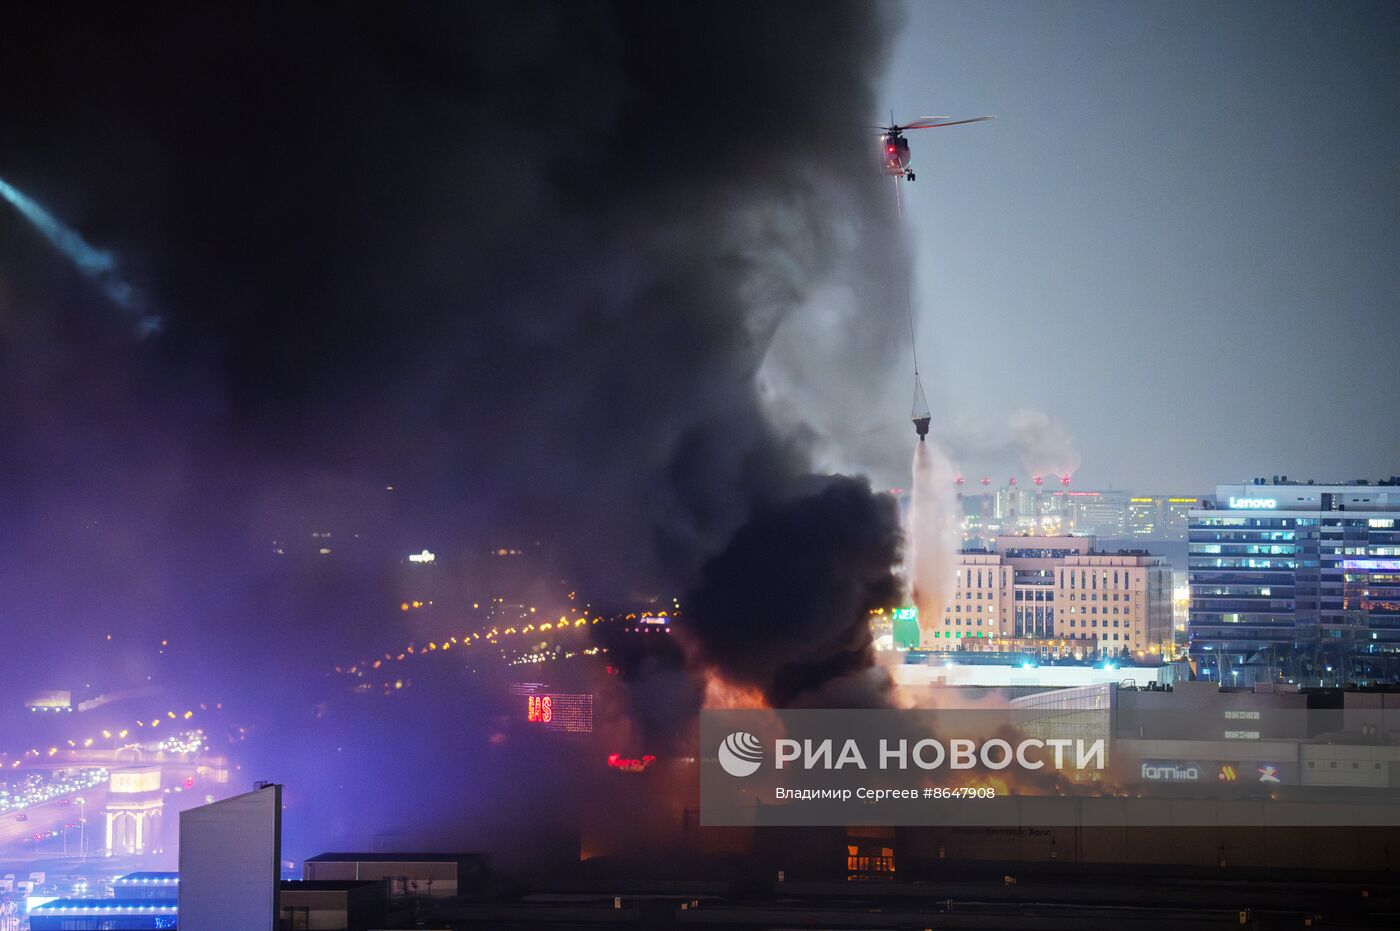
1295 582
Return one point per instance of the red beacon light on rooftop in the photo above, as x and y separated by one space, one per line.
959 481
1064 479
1013 480
1038 479
986 480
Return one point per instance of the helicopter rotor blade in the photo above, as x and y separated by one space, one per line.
975 119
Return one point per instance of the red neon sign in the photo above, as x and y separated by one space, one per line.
539 709
618 761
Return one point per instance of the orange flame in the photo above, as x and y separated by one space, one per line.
723 694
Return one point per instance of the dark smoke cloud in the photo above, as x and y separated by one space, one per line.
523 266
786 606
521 262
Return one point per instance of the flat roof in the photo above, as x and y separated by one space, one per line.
327 885
149 877
341 857
107 906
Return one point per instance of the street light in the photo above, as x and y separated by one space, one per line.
82 828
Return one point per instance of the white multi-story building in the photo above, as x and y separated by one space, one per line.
1056 596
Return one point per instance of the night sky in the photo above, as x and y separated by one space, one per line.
1178 239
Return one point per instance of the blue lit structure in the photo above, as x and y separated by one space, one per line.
147 885
104 915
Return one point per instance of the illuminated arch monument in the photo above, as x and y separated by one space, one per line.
135 806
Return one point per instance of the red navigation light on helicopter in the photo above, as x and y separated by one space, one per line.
897 147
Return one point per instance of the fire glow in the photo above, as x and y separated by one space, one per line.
720 693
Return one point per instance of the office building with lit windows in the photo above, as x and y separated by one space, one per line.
1036 509
1297 582
1057 597
1159 517
1102 513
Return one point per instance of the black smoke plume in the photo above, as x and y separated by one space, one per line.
785 607
520 263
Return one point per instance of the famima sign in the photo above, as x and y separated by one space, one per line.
1154 771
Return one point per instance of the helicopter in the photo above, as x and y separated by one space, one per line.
896 163
894 148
